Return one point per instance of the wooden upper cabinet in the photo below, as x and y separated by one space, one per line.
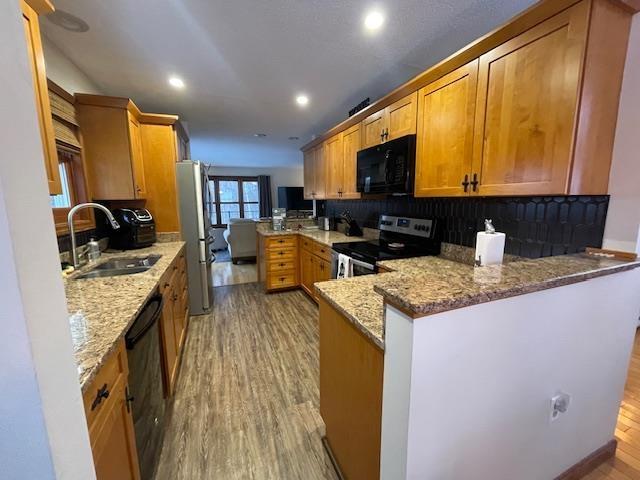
444 149
395 121
400 117
39 75
113 147
527 101
320 173
309 173
137 156
542 120
350 144
373 129
333 152
160 188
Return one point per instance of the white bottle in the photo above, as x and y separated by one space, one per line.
93 250
489 246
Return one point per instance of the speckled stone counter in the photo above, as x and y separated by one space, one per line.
327 238
434 289
102 309
428 285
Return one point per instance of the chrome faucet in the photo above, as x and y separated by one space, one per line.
114 224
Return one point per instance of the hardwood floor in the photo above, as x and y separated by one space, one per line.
626 464
226 273
246 404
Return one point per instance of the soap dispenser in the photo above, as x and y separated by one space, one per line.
489 245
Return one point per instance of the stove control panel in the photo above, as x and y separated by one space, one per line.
419 227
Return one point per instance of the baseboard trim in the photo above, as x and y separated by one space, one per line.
590 462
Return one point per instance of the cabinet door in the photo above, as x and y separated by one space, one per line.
446 110
114 445
137 158
320 173
307 267
351 145
334 166
373 129
309 173
400 117
43 107
527 100
169 350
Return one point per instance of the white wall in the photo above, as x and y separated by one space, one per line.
280 176
43 430
64 72
482 379
623 217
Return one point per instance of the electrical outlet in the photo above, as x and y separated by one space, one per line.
559 404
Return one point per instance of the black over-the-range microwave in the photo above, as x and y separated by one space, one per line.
388 168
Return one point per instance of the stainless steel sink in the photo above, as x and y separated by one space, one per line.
121 266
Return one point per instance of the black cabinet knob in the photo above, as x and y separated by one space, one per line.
103 393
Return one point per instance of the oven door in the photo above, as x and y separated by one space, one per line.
359 267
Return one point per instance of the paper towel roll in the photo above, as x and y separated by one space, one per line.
489 248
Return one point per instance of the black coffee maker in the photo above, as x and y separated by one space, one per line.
137 229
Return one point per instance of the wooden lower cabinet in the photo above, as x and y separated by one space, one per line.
278 262
315 266
174 320
351 370
110 422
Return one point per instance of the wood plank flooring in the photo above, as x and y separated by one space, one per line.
226 273
247 399
626 464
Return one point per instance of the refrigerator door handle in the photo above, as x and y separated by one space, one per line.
204 267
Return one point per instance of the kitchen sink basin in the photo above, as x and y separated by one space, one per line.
121 266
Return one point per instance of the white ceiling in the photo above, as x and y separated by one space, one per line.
244 61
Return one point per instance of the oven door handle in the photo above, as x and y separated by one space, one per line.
368 266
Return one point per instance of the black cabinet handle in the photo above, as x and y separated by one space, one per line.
382 136
474 182
103 393
386 134
128 398
465 183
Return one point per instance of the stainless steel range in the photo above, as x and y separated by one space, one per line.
400 237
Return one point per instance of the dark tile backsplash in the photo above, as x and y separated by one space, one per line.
535 226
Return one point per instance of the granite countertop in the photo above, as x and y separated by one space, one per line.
428 285
327 238
435 289
102 309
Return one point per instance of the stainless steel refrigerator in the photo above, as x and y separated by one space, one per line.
195 221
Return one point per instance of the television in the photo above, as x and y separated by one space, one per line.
292 198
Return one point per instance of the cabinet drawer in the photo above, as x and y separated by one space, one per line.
281 254
282 265
322 251
307 244
281 241
100 393
277 280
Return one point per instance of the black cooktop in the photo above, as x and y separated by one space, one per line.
374 250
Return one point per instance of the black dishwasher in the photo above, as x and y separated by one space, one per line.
145 384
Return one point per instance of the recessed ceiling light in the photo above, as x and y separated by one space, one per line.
294 138
260 135
302 100
373 20
176 82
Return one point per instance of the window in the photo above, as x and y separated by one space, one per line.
73 191
233 197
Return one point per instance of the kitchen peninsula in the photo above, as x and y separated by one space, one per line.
420 355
